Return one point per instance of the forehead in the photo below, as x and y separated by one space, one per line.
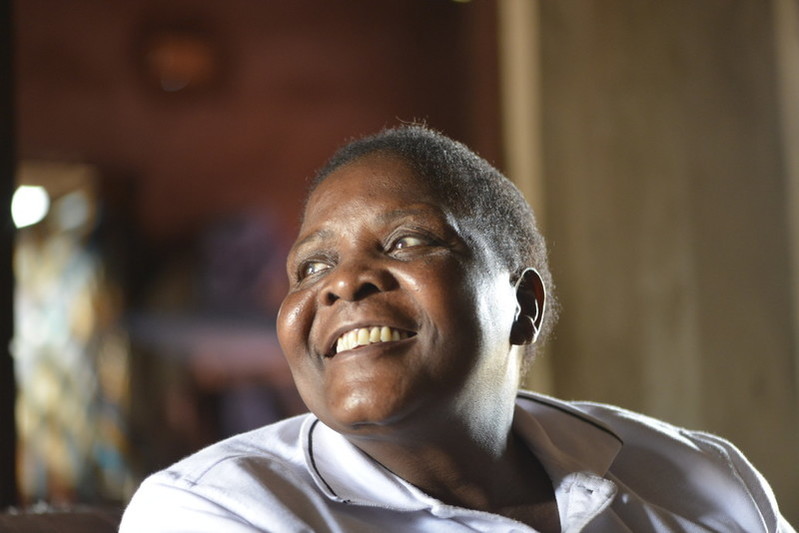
372 181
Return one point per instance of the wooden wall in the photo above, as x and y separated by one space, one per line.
295 80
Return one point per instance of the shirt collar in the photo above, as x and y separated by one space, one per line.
344 473
574 448
563 437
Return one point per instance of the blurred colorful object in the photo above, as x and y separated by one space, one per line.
71 356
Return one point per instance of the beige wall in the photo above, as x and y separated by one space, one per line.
666 189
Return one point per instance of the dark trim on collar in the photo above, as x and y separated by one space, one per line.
568 409
313 460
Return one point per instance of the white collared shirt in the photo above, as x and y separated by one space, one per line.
612 471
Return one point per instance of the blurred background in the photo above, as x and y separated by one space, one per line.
163 150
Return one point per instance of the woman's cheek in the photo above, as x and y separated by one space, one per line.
294 320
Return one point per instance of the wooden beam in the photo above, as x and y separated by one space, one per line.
8 393
786 33
520 67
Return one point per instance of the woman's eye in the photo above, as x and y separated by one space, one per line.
312 267
408 241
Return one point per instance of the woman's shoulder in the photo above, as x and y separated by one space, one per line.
674 467
633 429
236 481
270 446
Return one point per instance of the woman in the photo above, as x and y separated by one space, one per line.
418 290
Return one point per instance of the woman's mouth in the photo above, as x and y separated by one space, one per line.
366 336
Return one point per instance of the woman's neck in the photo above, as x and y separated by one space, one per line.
490 470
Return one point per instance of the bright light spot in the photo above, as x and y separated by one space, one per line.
29 205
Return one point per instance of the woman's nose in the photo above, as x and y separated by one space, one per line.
356 279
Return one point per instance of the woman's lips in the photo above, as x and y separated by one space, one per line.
364 336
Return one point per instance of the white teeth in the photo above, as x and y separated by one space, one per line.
363 336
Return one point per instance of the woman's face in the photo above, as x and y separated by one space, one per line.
395 313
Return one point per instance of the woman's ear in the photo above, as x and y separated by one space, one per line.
530 307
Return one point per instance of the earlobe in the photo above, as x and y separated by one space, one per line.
530 307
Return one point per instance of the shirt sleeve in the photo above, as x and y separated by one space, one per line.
752 480
159 507
236 494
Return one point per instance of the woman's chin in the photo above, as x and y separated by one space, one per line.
367 414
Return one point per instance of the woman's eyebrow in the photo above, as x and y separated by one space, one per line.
389 216
407 212
319 235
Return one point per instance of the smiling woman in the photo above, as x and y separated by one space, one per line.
394 257
418 283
